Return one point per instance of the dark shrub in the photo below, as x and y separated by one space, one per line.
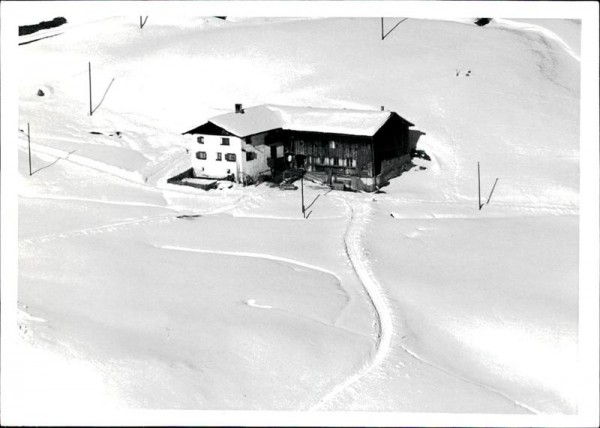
482 21
44 25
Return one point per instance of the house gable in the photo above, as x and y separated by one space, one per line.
391 141
209 128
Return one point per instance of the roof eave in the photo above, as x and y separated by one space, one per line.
261 132
329 132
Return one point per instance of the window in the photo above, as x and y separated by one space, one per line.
201 155
336 161
250 156
230 157
224 141
219 156
201 140
332 144
348 161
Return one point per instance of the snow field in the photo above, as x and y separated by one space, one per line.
500 322
178 330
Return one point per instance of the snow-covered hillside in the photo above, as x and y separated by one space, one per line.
407 300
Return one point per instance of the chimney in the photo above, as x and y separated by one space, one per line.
382 108
239 109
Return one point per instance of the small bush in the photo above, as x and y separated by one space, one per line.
482 21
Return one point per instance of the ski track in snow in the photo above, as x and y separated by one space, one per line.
111 227
467 380
254 255
360 264
374 291
132 176
99 201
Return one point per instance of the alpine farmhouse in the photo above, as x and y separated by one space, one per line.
344 148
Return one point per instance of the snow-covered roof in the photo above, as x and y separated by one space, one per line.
255 120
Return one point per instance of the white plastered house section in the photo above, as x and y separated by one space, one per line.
216 156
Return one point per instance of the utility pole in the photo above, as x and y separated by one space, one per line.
302 191
384 34
29 147
479 185
90 74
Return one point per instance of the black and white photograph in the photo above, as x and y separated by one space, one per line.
316 213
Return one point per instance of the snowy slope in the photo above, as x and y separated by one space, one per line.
517 82
308 333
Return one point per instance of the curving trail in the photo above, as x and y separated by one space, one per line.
358 219
254 255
